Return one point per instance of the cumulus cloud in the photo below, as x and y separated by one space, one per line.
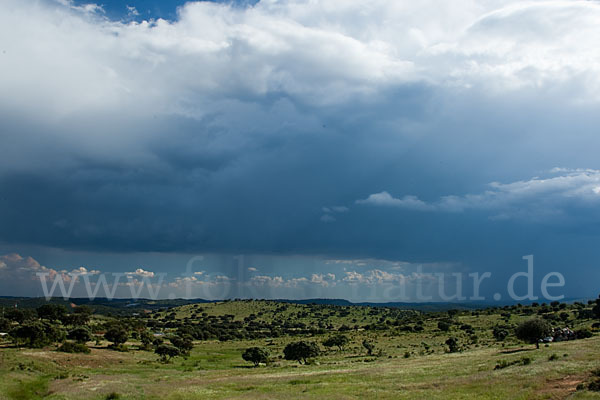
141 273
323 279
16 267
386 199
536 197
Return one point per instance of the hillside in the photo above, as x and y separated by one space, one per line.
410 356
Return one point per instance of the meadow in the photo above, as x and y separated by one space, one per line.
410 359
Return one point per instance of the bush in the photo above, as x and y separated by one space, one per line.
500 333
452 345
256 355
443 326
553 357
504 363
119 347
594 385
70 347
37 334
113 396
583 333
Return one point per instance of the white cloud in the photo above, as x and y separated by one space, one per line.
142 273
320 53
534 197
84 271
386 199
324 280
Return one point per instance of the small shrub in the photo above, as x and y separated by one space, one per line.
504 363
553 357
594 385
70 347
113 396
452 345
583 333
119 347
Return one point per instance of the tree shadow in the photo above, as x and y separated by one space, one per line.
512 351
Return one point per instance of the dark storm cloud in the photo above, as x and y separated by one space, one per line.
230 129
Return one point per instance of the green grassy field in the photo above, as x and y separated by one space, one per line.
405 365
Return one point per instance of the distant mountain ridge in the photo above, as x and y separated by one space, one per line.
124 306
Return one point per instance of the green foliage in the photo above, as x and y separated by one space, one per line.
340 341
596 308
52 312
594 386
505 364
37 334
184 344
70 347
443 326
583 333
166 352
369 346
452 344
531 331
499 333
146 340
301 351
116 335
256 355
4 325
80 334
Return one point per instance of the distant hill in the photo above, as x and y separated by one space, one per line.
126 306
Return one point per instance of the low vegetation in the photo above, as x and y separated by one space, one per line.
300 350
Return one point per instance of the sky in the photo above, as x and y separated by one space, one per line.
300 149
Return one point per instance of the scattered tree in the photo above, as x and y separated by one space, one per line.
80 334
185 344
166 352
256 355
337 340
146 339
116 335
52 312
533 330
300 351
370 346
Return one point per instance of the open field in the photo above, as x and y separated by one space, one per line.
404 364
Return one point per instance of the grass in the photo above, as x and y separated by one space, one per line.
215 370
